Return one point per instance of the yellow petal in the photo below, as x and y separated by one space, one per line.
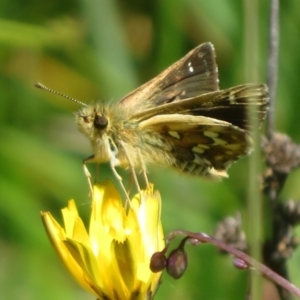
56 235
74 226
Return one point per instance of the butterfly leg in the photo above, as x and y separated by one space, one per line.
131 168
88 174
112 165
119 178
144 171
113 162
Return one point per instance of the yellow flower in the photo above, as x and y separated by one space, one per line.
112 259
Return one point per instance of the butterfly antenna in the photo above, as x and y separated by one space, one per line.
43 87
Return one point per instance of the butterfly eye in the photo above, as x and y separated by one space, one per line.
85 119
100 122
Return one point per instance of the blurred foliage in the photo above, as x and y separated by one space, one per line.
102 49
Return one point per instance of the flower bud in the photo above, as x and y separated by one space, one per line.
158 262
177 262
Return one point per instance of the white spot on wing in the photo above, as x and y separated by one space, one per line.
211 134
174 134
191 69
198 160
197 149
214 137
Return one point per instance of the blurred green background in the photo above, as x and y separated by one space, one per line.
101 50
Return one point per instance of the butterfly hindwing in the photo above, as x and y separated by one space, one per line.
200 145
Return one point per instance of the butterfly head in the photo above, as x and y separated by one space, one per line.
93 120
96 120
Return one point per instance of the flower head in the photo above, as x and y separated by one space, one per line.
111 259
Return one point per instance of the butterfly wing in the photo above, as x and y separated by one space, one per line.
230 105
203 129
193 75
201 146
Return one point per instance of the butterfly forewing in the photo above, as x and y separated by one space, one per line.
193 75
230 105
